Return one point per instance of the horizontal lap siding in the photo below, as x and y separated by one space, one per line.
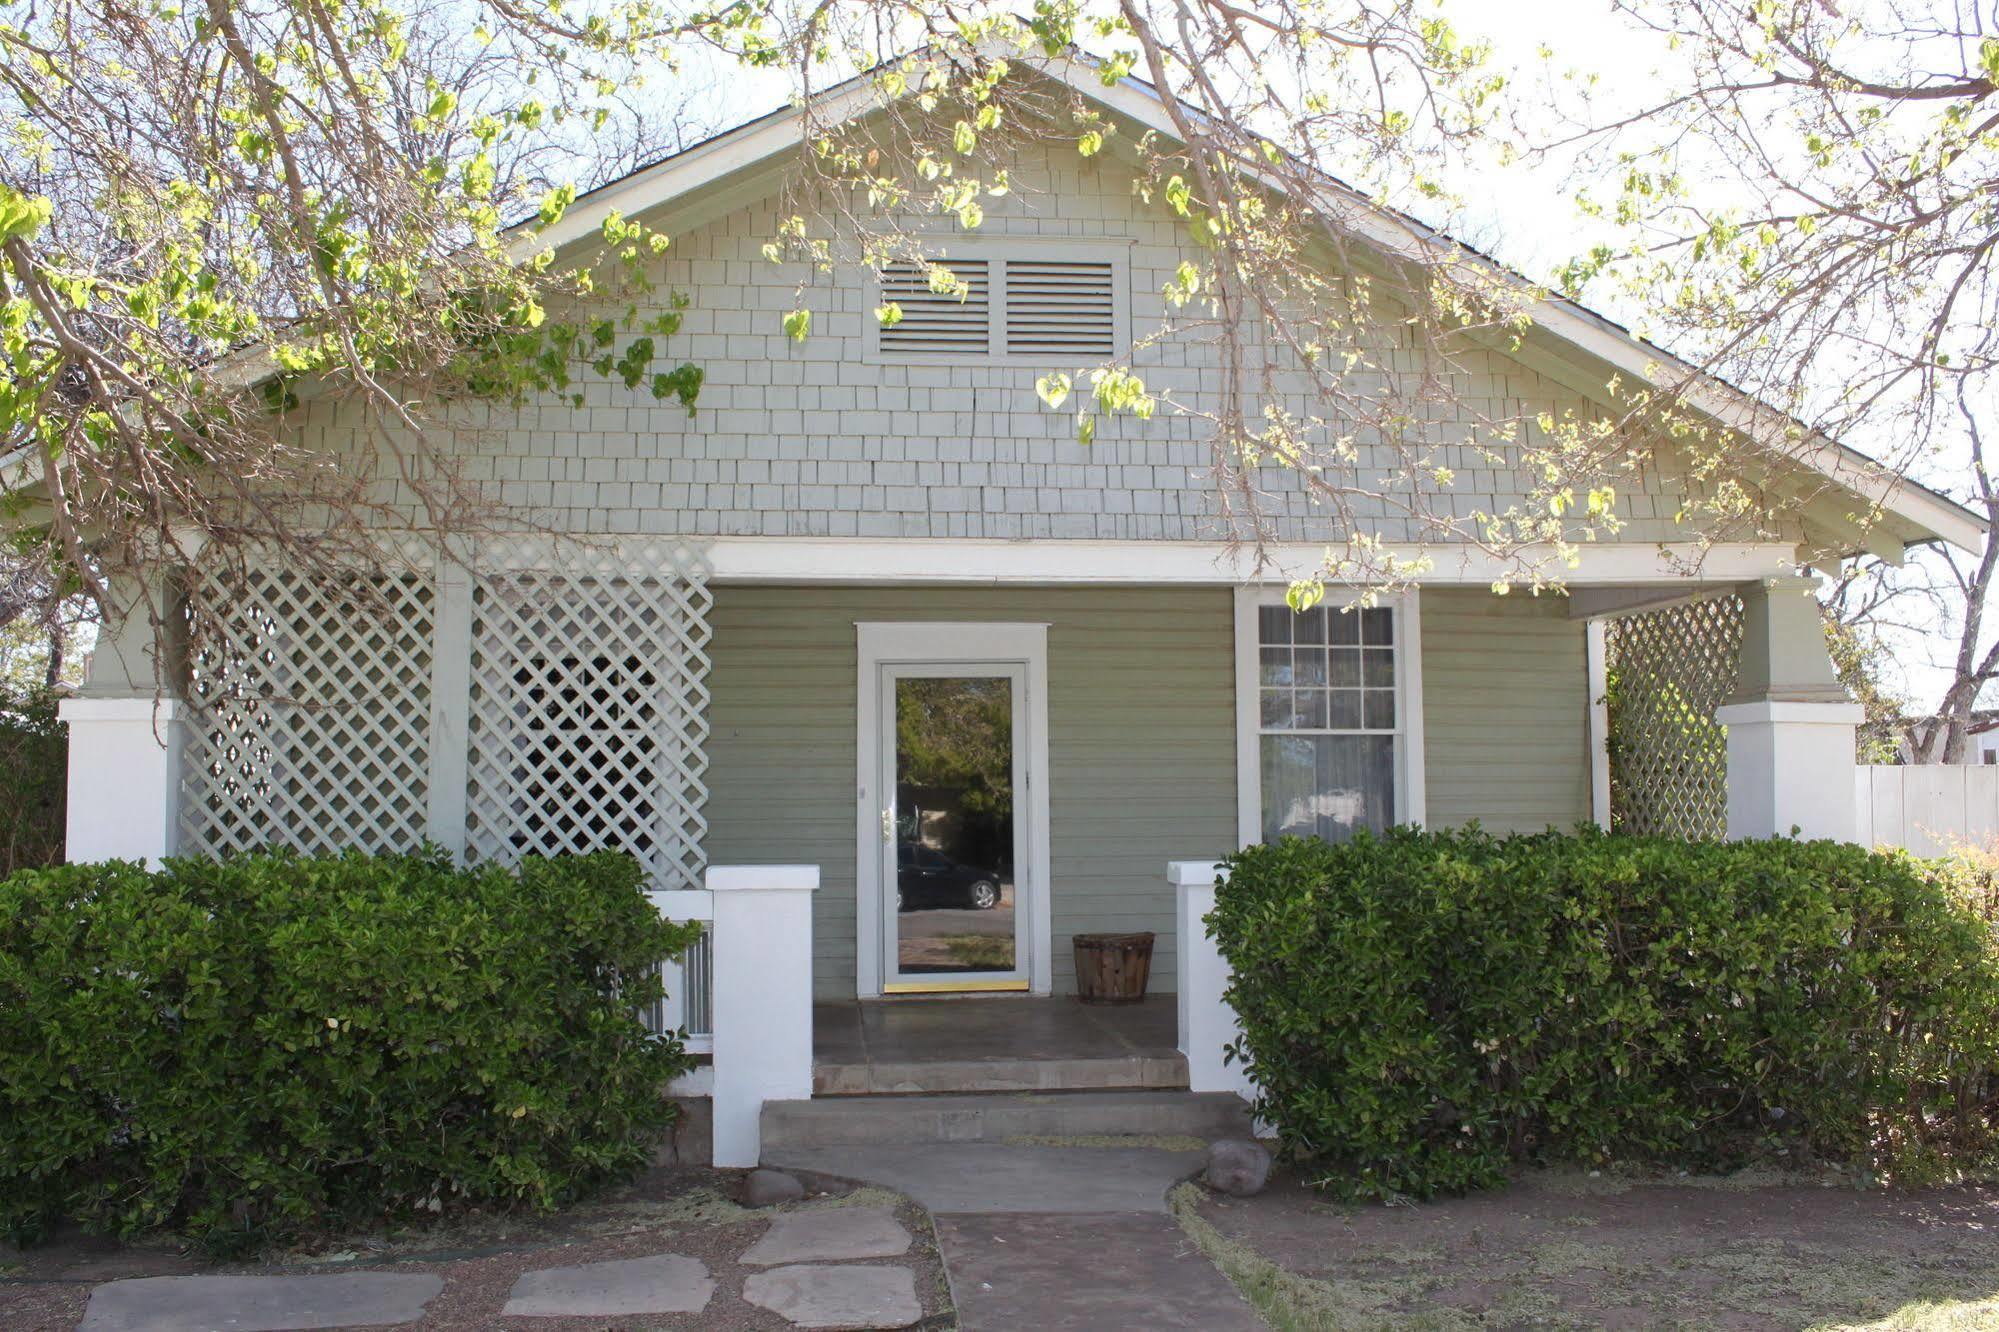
1505 711
1141 745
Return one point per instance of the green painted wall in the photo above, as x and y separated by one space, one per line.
1141 745
1505 711
1141 736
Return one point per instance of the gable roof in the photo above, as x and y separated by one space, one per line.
1910 513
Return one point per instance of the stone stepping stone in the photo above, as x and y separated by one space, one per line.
837 1234
834 1298
663 1283
259 1303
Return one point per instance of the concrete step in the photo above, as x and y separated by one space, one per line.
1160 1071
858 1121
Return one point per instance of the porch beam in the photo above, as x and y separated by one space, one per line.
975 562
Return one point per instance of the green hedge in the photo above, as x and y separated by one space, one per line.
1422 1010
251 1048
34 769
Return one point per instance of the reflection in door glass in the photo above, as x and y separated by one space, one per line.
954 824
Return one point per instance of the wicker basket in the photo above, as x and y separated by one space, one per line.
1113 968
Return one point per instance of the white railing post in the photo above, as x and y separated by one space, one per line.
1207 1024
763 998
124 778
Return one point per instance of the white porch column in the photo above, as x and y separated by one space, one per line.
124 744
1207 1024
1791 723
762 998
124 778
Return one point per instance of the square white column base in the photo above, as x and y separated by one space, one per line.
1790 766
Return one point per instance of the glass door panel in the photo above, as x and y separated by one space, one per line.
956 765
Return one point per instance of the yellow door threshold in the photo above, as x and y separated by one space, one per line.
957 987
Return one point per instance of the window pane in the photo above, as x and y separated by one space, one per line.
1344 668
1345 714
1381 709
1311 665
1276 666
1311 704
1277 710
1327 785
1343 626
1379 668
1274 624
1309 626
1377 625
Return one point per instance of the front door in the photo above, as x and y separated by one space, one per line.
955 894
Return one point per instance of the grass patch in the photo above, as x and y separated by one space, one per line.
1292 1303
981 952
1805 1257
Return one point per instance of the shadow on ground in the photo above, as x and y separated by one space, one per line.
1570 1250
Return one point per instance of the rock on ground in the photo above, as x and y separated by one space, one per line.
835 1298
661 1283
1237 1167
838 1234
767 1188
259 1303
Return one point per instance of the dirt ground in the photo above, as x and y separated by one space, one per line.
687 1210
1566 1249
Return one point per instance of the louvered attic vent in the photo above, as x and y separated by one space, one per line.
1032 309
1059 308
939 323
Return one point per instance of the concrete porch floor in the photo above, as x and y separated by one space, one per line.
994 1043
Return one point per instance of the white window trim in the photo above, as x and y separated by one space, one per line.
1411 781
946 642
996 250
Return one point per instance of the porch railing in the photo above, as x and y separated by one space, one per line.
743 993
689 1005
1208 1026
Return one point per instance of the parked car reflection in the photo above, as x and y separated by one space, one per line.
926 877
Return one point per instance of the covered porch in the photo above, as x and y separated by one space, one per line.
735 717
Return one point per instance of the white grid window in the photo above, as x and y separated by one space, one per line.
1328 724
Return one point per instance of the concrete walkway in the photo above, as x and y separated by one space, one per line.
1055 1236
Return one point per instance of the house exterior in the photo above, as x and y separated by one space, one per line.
874 611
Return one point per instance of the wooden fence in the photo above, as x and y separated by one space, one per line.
1927 808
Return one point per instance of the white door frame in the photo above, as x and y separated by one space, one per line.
943 643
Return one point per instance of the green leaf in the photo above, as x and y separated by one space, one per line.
1053 389
22 215
798 324
888 316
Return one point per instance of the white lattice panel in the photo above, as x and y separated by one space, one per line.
309 712
589 700
1670 670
